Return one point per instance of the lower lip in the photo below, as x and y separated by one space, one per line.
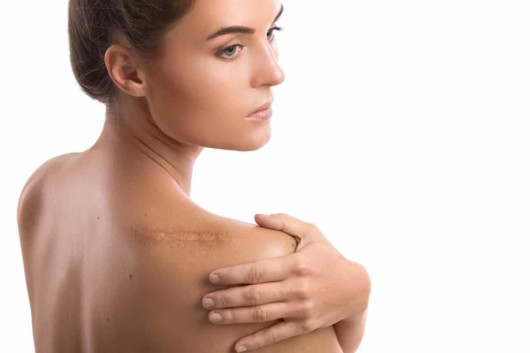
261 115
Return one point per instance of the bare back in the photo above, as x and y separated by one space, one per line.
117 260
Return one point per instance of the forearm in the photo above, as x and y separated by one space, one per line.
350 332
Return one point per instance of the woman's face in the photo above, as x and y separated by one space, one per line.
213 70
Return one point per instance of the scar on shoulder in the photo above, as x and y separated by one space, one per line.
178 235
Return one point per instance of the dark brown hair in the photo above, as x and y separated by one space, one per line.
93 26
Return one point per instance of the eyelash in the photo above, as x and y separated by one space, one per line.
270 37
271 32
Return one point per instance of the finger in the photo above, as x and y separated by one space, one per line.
285 223
276 333
269 270
250 295
248 315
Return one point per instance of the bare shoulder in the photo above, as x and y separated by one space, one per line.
176 244
159 215
31 197
175 222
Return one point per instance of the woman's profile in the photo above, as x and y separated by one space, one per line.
118 258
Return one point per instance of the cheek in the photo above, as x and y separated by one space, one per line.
204 105
219 87
207 86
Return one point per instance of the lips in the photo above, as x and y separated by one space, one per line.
264 112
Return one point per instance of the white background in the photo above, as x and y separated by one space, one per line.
402 130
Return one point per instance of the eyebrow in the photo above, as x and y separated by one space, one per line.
239 29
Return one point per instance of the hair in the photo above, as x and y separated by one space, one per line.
94 25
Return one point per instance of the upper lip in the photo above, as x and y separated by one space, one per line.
264 106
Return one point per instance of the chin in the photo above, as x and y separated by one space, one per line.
252 147
250 144
258 141
239 139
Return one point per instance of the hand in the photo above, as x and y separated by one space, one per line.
313 288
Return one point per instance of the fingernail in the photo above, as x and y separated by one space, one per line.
241 349
208 303
215 278
215 317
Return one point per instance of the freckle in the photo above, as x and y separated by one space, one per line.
131 276
98 218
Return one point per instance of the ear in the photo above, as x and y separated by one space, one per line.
123 66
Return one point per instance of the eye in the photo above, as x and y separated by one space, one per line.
270 33
230 52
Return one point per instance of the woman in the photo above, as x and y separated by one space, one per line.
117 256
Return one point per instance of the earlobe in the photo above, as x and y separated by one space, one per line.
122 66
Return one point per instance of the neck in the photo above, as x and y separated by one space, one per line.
135 130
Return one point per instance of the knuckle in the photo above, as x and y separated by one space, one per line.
301 267
222 301
306 310
308 325
273 337
228 316
301 291
255 275
252 296
297 264
261 315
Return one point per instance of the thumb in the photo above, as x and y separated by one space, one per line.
284 223
268 221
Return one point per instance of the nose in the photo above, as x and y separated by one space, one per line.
267 70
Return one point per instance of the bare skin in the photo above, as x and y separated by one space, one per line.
118 257
314 288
